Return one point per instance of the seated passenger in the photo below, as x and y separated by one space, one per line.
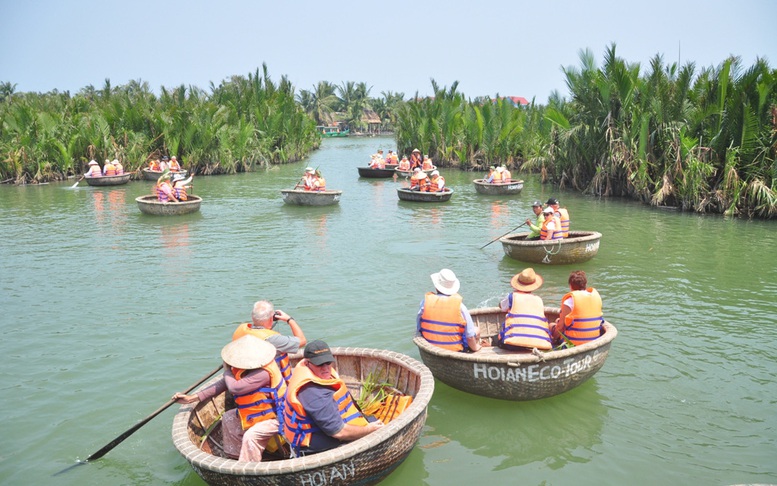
491 173
549 230
498 175
415 159
506 175
164 190
562 216
427 165
174 165
419 181
109 169
180 186
254 380
581 318
154 165
525 326
404 164
444 320
436 182
93 169
118 166
320 413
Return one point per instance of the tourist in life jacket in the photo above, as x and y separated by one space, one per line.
164 190
498 175
536 206
164 164
264 320
320 413
419 181
173 165
93 169
525 326
154 165
118 166
415 159
506 175
404 164
562 215
253 378
308 179
427 165
391 158
377 163
109 169
581 318
549 230
319 183
180 186
444 320
436 182
491 173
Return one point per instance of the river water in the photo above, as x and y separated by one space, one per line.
106 312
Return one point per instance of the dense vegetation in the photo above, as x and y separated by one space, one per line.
241 123
667 135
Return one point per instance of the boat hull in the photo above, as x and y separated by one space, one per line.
580 247
364 461
371 173
149 204
418 196
499 188
115 180
153 175
508 375
300 197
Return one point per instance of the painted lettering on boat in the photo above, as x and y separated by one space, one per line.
589 247
331 475
514 187
534 372
337 197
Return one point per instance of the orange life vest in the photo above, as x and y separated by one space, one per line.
180 193
562 216
297 426
264 403
174 166
161 194
94 171
441 321
497 177
584 323
526 324
319 184
434 183
404 164
281 359
109 170
153 165
556 232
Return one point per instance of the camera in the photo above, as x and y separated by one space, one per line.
276 315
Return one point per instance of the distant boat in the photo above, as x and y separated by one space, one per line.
150 204
422 196
331 132
497 188
153 175
114 180
301 197
375 173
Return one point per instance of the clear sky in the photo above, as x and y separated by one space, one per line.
490 47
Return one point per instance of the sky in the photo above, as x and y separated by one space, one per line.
490 47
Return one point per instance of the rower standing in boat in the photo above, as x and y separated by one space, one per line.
525 326
581 318
320 413
253 378
562 217
444 320
536 206
264 319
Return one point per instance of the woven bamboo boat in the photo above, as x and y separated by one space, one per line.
418 196
371 173
301 197
114 180
580 247
153 175
149 204
509 375
498 188
403 173
364 461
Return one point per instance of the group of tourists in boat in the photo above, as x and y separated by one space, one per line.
172 187
444 320
290 411
111 168
377 161
312 180
552 221
171 164
419 181
498 175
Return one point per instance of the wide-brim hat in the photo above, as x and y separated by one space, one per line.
526 281
92 162
419 175
435 172
416 150
310 170
445 282
248 353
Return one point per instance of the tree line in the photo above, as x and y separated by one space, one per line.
667 135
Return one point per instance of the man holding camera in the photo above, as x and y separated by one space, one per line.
263 320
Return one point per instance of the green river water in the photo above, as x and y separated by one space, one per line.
106 312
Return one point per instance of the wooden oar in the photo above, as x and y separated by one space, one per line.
118 440
79 180
498 237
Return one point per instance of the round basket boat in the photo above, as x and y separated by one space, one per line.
149 204
403 173
301 197
418 196
371 173
114 180
580 247
364 461
509 375
153 175
498 188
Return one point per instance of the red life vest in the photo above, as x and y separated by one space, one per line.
441 321
281 359
584 323
526 324
297 426
264 403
